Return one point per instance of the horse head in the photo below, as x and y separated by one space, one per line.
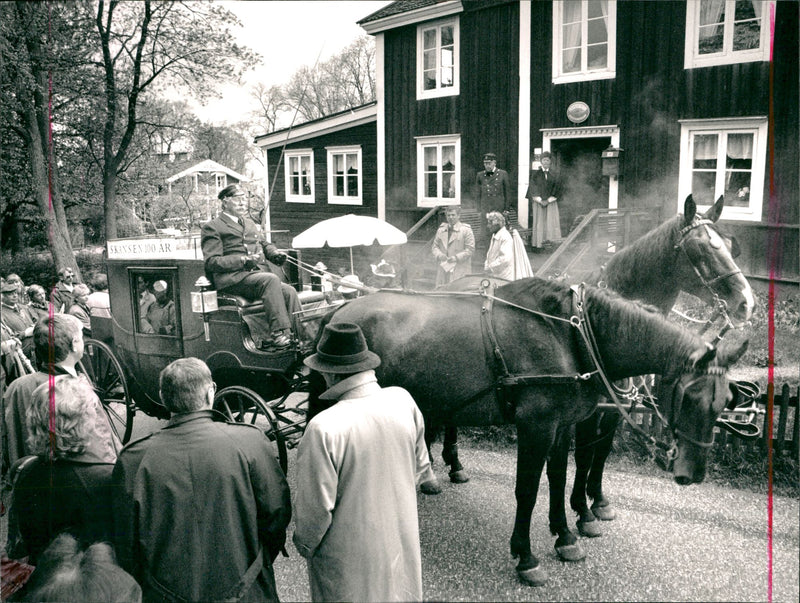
709 270
699 396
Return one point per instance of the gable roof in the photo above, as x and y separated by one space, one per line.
208 166
395 8
406 12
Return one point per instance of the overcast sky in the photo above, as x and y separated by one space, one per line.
288 34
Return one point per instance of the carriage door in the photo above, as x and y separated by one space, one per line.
584 187
155 296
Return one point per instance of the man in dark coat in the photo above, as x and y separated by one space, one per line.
201 507
235 260
494 190
62 293
543 194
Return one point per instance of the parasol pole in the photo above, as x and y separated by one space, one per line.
352 271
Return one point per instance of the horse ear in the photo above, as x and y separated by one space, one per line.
715 211
701 357
689 210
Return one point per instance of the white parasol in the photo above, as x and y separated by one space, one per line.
348 231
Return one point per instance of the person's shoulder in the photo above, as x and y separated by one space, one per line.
443 226
502 172
211 226
25 384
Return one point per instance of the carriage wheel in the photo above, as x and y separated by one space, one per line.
243 405
106 374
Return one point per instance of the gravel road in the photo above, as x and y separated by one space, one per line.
669 543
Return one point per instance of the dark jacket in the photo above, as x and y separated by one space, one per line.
62 297
544 187
194 503
70 494
225 245
494 191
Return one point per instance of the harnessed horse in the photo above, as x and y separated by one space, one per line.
686 253
538 354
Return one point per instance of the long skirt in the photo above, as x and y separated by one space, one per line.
546 225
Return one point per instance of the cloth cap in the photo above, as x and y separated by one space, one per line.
7 287
546 154
230 191
350 278
489 156
342 349
383 268
160 286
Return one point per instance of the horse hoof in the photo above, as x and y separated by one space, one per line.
535 576
589 529
605 513
459 477
430 487
571 552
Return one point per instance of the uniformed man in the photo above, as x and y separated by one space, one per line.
494 191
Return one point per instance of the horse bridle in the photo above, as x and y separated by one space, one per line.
720 306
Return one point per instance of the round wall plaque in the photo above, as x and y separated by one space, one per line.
578 112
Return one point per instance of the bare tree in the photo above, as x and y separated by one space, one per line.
271 102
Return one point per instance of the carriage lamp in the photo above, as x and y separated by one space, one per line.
204 302
612 160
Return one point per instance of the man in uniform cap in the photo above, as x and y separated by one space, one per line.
359 532
494 191
234 254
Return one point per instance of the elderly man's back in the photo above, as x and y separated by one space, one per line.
196 502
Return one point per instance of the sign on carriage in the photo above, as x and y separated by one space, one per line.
177 248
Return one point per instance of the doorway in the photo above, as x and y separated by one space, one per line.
584 188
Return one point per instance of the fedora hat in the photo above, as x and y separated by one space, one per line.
342 349
8 287
350 278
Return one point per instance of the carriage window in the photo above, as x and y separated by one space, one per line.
725 157
155 302
299 172
437 59
438 170
344 175
584 40
721 32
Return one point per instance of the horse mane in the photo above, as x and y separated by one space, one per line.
630 318
647 250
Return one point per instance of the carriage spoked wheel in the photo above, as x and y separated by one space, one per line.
105 372
243 405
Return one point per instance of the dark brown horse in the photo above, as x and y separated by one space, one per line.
523 357
686 253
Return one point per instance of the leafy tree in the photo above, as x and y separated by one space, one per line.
146 45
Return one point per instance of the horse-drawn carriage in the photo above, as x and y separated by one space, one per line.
126 354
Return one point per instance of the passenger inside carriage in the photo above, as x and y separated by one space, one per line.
160 315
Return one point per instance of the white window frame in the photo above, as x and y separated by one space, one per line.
333 198
758 126
692 59
439 91
585 75
437 141
298 153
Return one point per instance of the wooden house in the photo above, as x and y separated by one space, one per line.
678 96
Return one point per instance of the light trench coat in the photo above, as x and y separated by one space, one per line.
358 466
500 256
459 244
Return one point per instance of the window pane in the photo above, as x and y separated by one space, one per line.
597 31
745 10
737 189
447 35
746 35
705 151
572 11
339 185
447 77
352 163
597 56
431 164
712 12
429 79
338 164
429 39
429 60
352 186
739 153
448 186
572 36
305 163
447 57
431 189
710 39
703 187
571 60
597 8
449 158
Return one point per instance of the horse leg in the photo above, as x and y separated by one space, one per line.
567 545
450 455
533 443
431 486
601 506
586 434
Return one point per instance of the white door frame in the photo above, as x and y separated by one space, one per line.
550 134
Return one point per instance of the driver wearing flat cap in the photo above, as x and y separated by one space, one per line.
234 254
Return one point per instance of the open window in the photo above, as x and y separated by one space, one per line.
438 58
155 302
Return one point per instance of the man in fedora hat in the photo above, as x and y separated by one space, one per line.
235 263
358 466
